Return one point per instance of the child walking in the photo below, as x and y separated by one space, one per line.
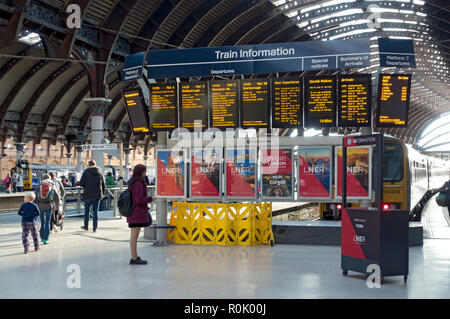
30 217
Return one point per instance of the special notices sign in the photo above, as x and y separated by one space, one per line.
240 173
315 172
206 170
171 173
277 176
359 172
320 101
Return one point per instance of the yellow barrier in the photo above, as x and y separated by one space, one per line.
221 224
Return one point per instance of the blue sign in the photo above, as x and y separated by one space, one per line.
396 53
257 59
133 68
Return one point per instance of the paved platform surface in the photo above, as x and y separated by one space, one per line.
178 271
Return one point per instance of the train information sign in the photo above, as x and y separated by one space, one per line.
287 102
355 100
320 101
393 100
255 110
137 111
224 104
194 106
163 107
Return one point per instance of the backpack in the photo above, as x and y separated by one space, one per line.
46 191
7 180
125 203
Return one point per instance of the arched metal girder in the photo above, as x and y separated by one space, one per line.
56 48
139 45
16 89
68 114
37 94
12 62
190 21
10 32
172 21
251 36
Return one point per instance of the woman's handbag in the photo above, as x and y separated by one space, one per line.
440 200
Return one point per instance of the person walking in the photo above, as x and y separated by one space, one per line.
20 182
445 189
47 199
93 184
62 193
30 214
8 182
14 182
140 216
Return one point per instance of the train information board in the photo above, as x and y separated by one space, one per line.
287 103
137 111
255 110
355 100
224 104
320 101
194 106
163 107
393 100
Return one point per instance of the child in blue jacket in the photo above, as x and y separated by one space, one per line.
30 217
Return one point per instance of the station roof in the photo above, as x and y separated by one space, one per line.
43 82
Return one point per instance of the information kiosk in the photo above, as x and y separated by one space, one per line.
373 237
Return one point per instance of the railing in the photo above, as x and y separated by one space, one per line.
73 200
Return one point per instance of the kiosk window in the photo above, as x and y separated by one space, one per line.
393 162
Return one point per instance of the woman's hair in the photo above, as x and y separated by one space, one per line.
138 173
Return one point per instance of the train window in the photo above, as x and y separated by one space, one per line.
393 162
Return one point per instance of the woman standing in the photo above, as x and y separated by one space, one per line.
141 216
8 184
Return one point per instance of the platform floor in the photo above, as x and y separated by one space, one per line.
283 271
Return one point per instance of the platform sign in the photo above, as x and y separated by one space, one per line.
355 100
163 106
134 67
255 111
287 102
171 173
277 174
137 110
224 104
397 53
320 101
393 100
240 173
206 173
359 172
314 172
194 105
99 147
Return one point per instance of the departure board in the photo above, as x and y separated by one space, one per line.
137 110
355 100
255 110
163 106
287 102
194 105
224 104
320 101
393 100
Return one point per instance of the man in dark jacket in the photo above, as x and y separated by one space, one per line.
93 183
445 189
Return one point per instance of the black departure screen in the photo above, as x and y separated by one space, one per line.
320 101
163 107
393 100
224 104
287 102
194 106
137 110
255 110
355 100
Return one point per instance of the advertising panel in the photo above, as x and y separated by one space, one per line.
171 173
240 173
314 172
206 168
359 172
277 174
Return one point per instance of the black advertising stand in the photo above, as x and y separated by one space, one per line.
373 236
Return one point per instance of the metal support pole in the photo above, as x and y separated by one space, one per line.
78 201
161 203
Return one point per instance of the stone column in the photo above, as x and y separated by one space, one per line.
79 159
97 108
69 155
20 150
145 160
127 163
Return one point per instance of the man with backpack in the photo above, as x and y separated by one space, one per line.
93 184
47 199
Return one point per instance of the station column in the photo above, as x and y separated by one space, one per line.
97 108
127 162
20 150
